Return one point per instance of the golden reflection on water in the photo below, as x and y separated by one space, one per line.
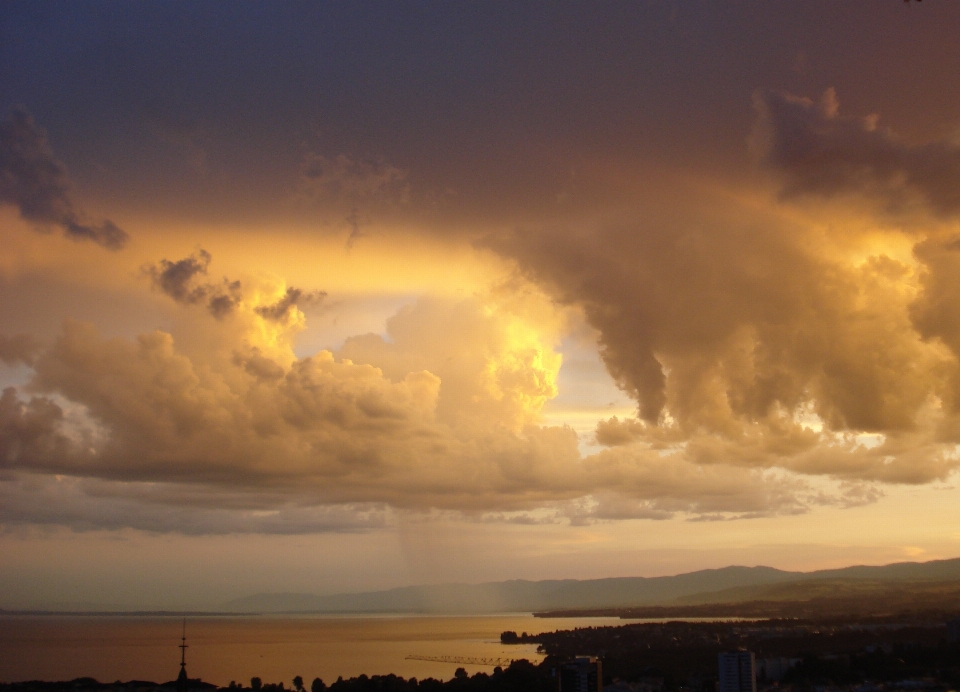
273 648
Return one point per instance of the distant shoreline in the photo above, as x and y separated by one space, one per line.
123 613
265 614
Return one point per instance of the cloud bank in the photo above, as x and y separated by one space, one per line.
778 362
751 337
441 413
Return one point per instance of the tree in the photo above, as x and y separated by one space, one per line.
256 683
298 683
317 685
460 674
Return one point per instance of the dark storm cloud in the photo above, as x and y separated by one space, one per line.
35 182
726 323
496 104
819 151
178 280
291 299
182 281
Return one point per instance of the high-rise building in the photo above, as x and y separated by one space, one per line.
582 674
953 631
738 672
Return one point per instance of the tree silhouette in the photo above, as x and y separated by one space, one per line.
256 683
317 685
298 683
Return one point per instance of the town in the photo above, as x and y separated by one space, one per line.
788 655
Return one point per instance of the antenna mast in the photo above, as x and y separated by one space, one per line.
183 646
183 682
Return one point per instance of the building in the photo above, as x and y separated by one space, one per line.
953 631
738 672
771 669
582 674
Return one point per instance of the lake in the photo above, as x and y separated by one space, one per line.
275 649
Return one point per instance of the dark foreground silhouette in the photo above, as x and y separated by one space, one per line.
902 651
520 676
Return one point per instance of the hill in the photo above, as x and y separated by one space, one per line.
730 585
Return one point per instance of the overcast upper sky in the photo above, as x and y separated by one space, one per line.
334 296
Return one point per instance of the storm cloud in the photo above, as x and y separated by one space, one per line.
35 182
180 280
772 373
770 282
290 299
818 151
748 338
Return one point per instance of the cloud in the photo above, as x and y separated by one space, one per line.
238 434
352 187
34 181
817 151
290 299
19 348
776 367
758 335
90 504
716 324
351 180
30 433
178 279
175 278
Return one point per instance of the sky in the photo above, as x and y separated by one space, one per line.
327 297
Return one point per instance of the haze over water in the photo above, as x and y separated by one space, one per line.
273 648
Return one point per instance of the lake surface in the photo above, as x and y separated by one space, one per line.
273 648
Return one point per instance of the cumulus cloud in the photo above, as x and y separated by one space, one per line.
35 182
716 325
817 151
750 339
29 431
241 435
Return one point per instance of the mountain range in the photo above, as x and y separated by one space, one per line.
728 585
